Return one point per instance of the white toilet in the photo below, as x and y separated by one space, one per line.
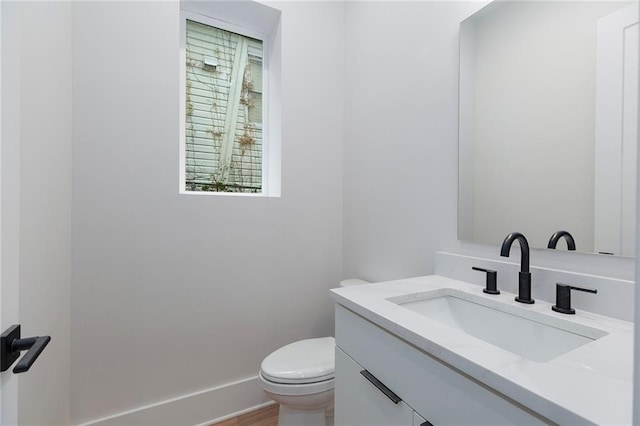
300 377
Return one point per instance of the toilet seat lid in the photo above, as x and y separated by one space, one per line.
304 361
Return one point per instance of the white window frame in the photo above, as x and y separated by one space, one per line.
270 126
262 92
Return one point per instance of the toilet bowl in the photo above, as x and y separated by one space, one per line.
300 377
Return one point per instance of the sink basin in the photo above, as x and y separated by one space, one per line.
524 332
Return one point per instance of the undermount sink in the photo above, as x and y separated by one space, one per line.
524 332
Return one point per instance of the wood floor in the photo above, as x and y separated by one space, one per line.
267 416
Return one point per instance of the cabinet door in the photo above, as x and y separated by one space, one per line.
358 402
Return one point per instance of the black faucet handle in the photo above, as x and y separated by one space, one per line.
563 297
491 286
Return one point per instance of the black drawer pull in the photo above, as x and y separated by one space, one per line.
427 423
377 383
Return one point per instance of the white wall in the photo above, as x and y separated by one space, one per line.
36 202
401 135
174 294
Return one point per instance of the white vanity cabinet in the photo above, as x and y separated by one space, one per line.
429 389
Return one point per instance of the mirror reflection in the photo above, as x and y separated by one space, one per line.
548 124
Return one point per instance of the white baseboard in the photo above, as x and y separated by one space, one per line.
199 408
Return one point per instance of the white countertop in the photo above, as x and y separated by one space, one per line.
590 384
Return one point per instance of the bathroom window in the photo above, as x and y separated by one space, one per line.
224 90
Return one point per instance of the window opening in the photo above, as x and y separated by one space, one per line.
223 111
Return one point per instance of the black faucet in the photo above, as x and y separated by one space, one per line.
553 241
524 281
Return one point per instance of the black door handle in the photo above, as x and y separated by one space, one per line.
34 347
11 345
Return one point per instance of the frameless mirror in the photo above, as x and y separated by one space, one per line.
548 123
